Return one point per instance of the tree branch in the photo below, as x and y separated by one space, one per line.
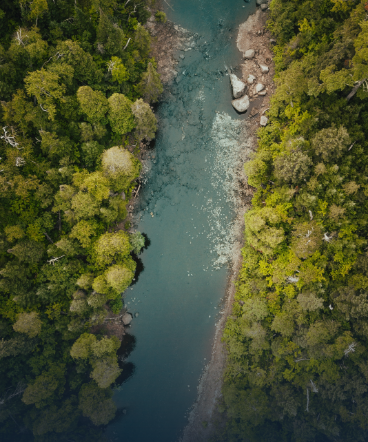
355 89
47 236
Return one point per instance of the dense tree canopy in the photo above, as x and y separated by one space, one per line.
73 78
298 338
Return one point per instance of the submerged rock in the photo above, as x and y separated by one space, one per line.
251 79
249 54
264 69
127 318
237 85
264 120
241 104
259 87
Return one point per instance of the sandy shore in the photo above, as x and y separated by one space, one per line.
251 35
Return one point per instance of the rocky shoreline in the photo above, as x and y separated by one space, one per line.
254 41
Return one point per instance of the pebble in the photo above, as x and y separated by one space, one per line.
251 79
264 120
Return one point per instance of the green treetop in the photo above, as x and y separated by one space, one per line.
150 86
93 103
120 114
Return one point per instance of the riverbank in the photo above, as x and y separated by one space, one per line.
296 330
252 34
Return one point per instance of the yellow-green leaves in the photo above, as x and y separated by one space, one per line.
111 247
120 114
150 87
93 103
47 88
120 166
118 70
260 230
119 277
84 231
335 79
28 323
145 120
97 185
307 238
331 143
101 355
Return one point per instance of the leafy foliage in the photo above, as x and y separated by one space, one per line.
297 338
73 78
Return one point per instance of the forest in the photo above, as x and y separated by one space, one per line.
297 339
76 86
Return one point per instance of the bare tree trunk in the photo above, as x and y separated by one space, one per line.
47 236
355 89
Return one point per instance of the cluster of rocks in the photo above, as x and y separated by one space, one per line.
243 91
263 4
254 81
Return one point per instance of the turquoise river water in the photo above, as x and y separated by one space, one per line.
189 190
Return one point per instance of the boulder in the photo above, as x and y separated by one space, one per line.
241 104
264 7
238 86
273 41
264 92
259 88
261 2
264 120
264 69
249 54
251 79
127 318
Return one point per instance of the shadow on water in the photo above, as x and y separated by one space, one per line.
139 269
127 346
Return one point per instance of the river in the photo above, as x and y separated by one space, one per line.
187 209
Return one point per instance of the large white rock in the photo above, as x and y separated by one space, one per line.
264 69
249 54
264 92
251 79
264 120
241 104
264 7
237 85
127 318
261 2
259 87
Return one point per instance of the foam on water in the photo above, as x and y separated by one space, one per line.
187 207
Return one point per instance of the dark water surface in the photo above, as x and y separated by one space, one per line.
189 192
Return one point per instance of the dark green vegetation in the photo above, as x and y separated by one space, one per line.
76 83
298 337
